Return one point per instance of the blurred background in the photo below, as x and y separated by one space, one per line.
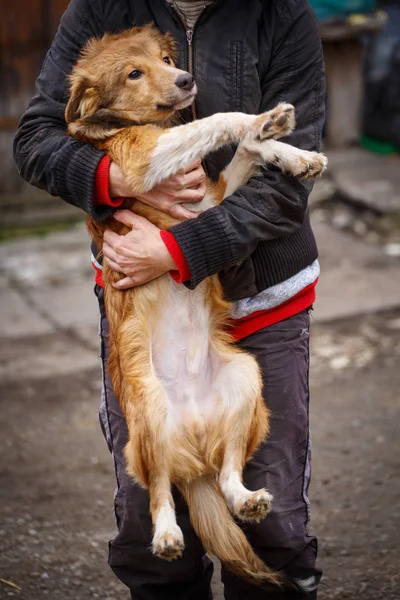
56 477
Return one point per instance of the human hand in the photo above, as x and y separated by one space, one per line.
140 255
187 185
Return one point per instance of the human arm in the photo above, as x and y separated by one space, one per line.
147 252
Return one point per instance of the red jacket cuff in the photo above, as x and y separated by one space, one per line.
182 273
101 185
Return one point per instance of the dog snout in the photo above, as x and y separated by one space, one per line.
185 82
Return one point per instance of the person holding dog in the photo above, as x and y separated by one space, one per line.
245 56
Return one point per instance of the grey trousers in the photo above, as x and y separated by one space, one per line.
282 464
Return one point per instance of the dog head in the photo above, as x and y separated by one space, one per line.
126 79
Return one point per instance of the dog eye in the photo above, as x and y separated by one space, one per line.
135 74
167 60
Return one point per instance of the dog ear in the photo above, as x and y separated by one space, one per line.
84 99
108 119
170 46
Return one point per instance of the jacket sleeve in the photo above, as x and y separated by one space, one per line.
45 156
273 204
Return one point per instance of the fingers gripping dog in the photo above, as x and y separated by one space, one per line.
192 400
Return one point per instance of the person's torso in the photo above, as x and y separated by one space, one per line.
228 51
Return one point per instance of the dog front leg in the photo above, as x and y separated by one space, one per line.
252 153
178 147
294 161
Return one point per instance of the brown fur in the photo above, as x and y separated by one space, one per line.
122 119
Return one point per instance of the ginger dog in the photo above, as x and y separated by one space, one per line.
192 400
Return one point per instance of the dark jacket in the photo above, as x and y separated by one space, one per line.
248 56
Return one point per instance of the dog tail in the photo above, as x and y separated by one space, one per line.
220 535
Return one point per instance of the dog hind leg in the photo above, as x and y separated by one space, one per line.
168 538
245 504
245 424
246 431
148 460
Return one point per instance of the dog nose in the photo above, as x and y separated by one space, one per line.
185 82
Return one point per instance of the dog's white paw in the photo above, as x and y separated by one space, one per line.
277 122
169 544
301 163
312 165
255 507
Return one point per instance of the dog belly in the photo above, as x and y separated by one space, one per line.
205 390
181 354
200 383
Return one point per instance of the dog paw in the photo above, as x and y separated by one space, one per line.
301 163
277 122
311 166
256 507
169 545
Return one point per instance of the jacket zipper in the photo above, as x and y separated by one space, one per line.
190 65
189 40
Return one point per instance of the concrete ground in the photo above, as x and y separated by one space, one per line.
56 477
